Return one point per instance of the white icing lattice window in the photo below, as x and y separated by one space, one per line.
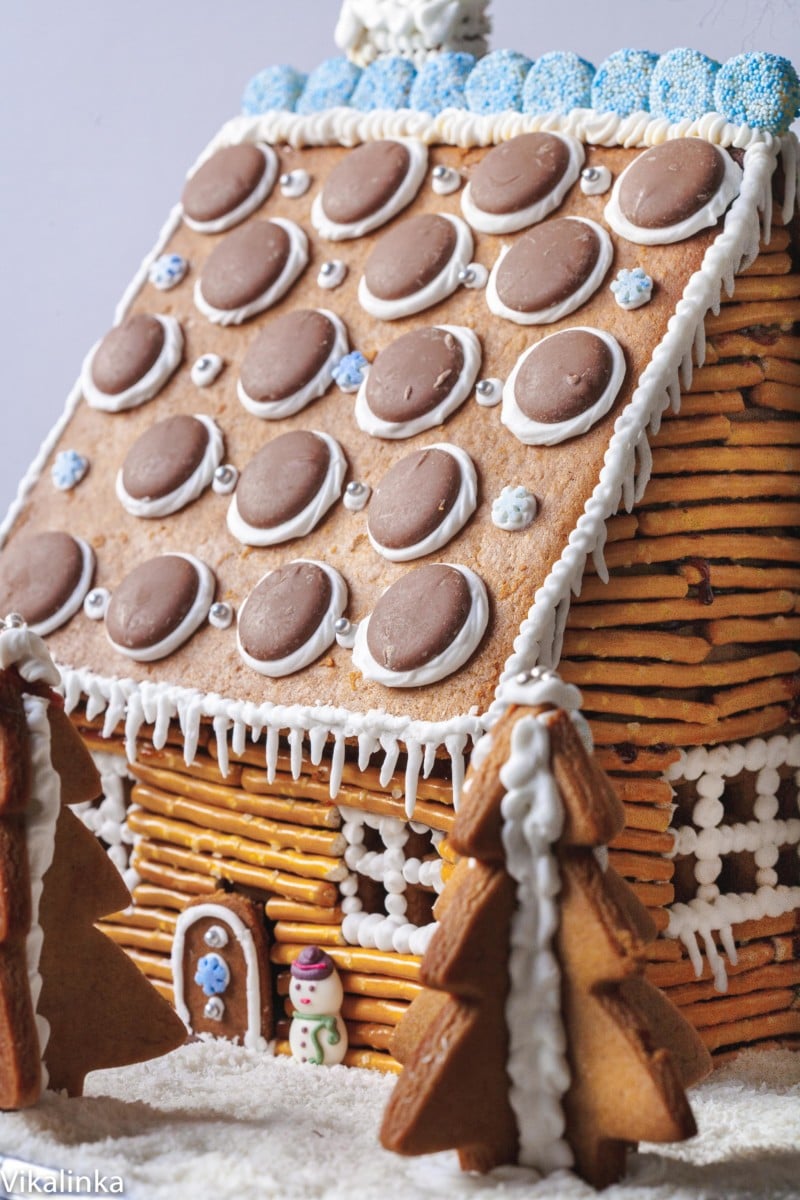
741 842
107 818
394 876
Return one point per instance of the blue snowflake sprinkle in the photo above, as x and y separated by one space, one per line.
497 82
330 85
514 509
274 88
386 83
760 90
349 371
167 271
633 288
441 81
557 82
68 469
683 85
622 82
212 974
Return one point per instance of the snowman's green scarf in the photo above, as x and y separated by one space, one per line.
327 1022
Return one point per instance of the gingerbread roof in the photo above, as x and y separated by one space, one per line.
426 264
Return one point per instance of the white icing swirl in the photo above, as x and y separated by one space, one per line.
336 231
441 665
296 262
545 316
250 203
151 382
276 410
463 508
322 638
308 518
413 29
703 218
510 222
194 618
189 490
439 288
541 433
394 430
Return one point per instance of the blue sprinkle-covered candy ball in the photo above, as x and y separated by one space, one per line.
683 85
622 82
386 83
440 82
758 89
329 85
273 88
557 82
496 83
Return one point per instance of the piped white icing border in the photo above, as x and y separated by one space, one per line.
20 647
463 508
322 637
253 1038
542 433
250 203
706 216
460 391
460 649
151 382
521 218
189 490
439 288
206 585
296 262
544 316
335 231
275 410
305 520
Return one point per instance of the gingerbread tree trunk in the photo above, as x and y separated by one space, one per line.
70 1000
541 1042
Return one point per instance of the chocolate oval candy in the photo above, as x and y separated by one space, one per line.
228 187
287 488
550 271
287 620
44 577
250 269
425 626
158 606
672 191
562 386
418 380
521 181
169 465
368 186
132 362
290 362
414 265
422 502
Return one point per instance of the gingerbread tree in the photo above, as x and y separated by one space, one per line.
70 1000
539 1041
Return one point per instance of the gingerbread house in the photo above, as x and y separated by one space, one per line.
445 368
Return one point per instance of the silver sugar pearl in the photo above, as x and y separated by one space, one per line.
485 387
466 275
440 172
223 474
341 625
215 937
220 615
590 174
95 604
285 179
214 1009
95 599
327 268
225 479
355 488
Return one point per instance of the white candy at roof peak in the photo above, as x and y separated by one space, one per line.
413 29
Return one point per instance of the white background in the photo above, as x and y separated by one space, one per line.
105 103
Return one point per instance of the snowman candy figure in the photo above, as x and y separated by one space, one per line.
317 1033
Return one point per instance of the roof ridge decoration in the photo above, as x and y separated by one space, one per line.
756 90
414 29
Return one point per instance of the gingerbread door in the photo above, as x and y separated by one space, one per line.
220 970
